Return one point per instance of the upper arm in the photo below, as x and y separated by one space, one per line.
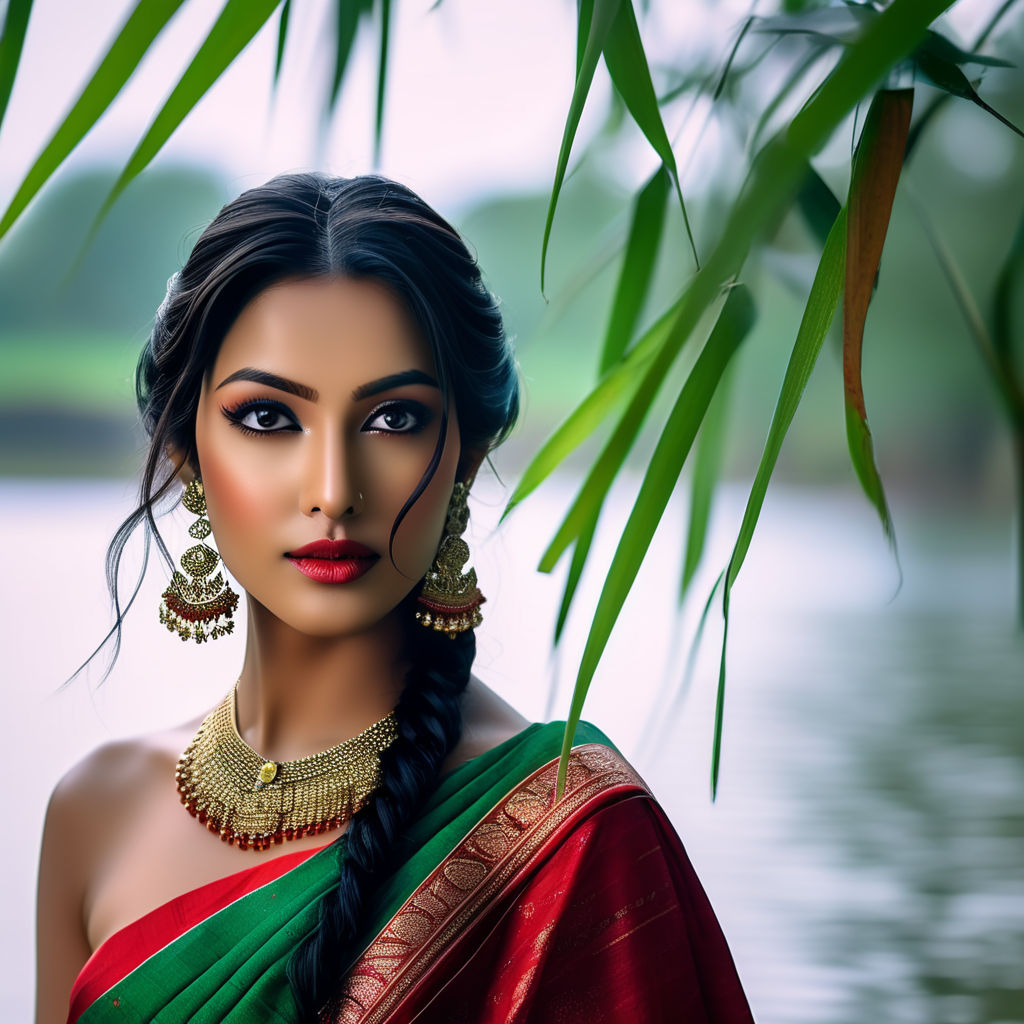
61 944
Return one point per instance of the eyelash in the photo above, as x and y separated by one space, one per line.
420 414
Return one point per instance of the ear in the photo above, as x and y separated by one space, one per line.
469 462
188 468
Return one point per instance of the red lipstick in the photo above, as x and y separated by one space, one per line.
332 561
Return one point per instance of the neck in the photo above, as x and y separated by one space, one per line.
298 695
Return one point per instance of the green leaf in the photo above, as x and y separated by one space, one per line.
939 101
741 35
346 25
947 76
840 23
583 23
818 204
144 24
282 37
382 75
784 91
876 170
817 317
601 15
707 465
658 484
233 30
995 348
579 559
627 64
606 467
938 46
1007 287
11 43
637 267
592 411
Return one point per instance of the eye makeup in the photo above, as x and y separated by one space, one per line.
419 415
263 412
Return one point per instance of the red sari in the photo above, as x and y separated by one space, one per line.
508 907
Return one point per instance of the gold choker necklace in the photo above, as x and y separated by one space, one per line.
253 802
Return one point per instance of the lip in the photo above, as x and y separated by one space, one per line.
333 561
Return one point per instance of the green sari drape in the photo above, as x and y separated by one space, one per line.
231 966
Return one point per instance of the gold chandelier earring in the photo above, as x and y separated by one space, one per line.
450 599
199 608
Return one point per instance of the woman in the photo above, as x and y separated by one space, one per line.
325 377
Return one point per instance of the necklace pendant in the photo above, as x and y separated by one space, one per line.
253 803
268 772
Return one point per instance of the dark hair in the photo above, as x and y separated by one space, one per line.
308 225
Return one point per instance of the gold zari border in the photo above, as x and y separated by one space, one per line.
469 878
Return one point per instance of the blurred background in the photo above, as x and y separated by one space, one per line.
866 850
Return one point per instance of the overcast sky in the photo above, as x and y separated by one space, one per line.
477 92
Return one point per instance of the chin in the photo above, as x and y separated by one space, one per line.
317 619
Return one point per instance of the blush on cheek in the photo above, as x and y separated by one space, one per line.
236 499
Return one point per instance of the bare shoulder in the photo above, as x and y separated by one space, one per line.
487 720
114 776
93 799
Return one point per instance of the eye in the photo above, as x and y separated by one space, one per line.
262 417
398 418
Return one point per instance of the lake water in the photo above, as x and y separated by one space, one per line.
866 851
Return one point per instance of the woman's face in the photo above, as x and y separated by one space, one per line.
316 423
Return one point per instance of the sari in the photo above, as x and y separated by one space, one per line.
506 906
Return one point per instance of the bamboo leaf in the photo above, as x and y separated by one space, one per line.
583 23
727 68
382 75
939 101
282 37
606 467
817 318
779 167
707 465
947 76
11 43
938 46
998 361
346 25
876 170
592 411
659 481
144 24
637 267
783 93
601 17
818 204
579 559
663 717
840 23
1002 300
627 64
233 30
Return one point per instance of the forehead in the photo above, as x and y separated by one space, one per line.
327 332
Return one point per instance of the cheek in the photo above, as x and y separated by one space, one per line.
237 498
420 533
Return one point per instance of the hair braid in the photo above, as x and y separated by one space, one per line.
429 720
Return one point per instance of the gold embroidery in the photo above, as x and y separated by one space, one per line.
470 877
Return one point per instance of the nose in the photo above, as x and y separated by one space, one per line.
328 484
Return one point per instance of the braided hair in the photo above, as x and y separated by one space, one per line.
429 720
368 227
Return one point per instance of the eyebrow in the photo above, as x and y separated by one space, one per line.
393 380
373 387
271 380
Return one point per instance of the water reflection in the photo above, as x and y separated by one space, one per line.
866 853
924 819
